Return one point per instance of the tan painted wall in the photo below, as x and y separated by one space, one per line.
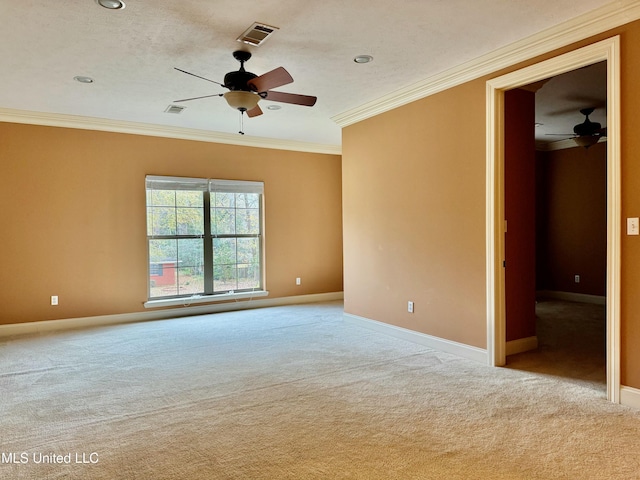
413 194
414 211
572 233
73 216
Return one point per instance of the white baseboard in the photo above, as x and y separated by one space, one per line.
630 397
521 345
572 297
440 344
105 320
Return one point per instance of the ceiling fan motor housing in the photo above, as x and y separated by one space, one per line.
587 127
238 80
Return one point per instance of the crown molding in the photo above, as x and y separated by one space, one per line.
597 21
117 126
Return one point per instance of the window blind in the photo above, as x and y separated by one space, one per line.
201 184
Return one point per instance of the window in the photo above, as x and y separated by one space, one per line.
204 237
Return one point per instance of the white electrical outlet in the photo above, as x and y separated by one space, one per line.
54 299
298 281
410 307
577 278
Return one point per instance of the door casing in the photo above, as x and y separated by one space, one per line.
606 50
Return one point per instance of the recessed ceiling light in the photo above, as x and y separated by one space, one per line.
363 59
111 4
81 79
274 107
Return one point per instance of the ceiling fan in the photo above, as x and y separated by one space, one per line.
586 133
246 89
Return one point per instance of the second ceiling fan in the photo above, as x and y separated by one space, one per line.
246 89
586 133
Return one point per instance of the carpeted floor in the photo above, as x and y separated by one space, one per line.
292 393
571 343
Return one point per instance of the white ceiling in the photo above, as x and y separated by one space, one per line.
131 55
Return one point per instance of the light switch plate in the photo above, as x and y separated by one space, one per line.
633 226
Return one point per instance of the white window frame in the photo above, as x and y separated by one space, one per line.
209 187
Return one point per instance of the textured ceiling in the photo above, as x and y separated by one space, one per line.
131 55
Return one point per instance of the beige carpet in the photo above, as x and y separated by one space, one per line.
571 343
293 393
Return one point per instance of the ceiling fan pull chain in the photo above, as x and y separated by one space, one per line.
241 122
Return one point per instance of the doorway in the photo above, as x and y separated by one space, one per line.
555 245
608 51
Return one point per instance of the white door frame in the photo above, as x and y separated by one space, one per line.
609 51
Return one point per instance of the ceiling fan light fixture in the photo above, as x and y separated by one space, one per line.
111 4
586 141
241 100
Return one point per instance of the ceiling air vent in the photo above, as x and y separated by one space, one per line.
174 109
257 34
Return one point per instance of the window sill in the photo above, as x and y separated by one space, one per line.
187 301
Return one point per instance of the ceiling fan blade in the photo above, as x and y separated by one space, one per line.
254 112
273 79
196 98
294 98
198 76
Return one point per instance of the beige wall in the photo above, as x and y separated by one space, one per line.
73 216
572 220
414 212
414 217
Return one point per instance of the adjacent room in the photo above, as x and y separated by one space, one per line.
336 240
562 254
